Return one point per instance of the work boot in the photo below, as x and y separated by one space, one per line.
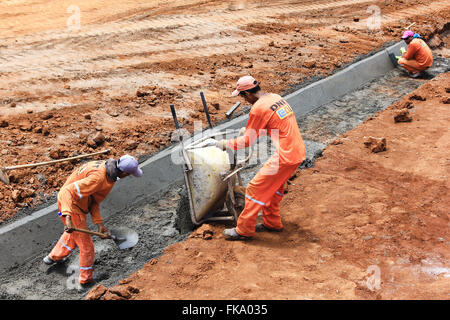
232 234
83 287
417 75
260 227
51 262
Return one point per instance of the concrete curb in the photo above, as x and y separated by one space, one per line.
28 237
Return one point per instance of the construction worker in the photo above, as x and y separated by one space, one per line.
270 114
418 57
82 193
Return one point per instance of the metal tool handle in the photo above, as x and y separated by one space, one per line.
205 106
175 119
90 232
180 137
232 109
54 161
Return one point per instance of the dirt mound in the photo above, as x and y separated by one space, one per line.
402 115
120 292
375 145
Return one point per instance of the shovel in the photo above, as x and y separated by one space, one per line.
5 179
123 237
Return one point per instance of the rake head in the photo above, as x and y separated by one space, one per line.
4 177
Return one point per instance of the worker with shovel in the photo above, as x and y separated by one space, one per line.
82 193
270 114
418 57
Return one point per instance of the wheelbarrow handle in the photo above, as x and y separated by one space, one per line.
90 232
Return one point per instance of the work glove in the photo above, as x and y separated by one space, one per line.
102 229
398 57
222 144
241 131
68 225
402 50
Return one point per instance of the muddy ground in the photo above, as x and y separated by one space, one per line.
114 78
164 219
359 225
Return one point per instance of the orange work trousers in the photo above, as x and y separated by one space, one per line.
69 241
265 192
411 65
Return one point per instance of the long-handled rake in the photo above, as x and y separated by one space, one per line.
5 179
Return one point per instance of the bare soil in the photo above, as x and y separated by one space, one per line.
359 225
114 78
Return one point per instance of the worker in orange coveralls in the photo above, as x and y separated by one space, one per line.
270 114
82 193
418 57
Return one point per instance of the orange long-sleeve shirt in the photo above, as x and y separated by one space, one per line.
272 115
88 187
419 51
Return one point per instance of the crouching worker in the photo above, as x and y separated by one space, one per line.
270 114
82 193
418 57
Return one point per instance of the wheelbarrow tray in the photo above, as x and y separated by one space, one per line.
206 188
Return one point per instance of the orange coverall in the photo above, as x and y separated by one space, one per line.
82 193
418 57
274 116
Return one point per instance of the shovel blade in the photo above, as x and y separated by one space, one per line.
124 237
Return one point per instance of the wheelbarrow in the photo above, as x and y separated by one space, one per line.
213 178
214 181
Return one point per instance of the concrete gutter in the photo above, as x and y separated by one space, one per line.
30 236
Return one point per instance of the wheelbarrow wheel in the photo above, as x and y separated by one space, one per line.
239 197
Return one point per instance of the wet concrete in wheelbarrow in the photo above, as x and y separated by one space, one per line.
164 219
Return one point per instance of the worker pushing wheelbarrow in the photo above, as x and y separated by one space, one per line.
212 178
272 115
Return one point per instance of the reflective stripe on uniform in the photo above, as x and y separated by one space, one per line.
254 200
78 189
65 246
279 193
88 268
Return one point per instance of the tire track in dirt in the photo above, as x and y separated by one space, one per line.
186 27
240 17
63 55
193 36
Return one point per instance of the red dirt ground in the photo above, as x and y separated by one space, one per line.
355 215
59 87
